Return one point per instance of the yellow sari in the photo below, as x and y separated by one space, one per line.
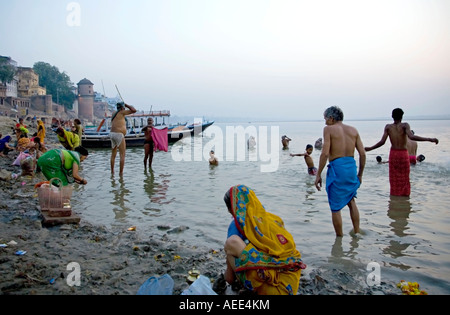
41 130
270 264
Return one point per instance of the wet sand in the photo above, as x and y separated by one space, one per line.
112 261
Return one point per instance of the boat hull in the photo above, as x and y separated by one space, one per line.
197 129
102 140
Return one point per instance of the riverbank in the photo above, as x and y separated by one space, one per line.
113 260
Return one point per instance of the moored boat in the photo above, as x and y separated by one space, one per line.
197 128
98 137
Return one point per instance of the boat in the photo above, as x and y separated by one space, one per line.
197 128
98 136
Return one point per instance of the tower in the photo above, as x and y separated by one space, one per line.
86 99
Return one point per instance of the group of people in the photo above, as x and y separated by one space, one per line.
260 253
257 239
33 154
28 149
155 139
338 147
65 163
73 138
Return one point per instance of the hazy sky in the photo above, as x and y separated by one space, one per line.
287 59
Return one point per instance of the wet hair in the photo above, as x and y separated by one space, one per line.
309 146
81 150
120 105
421 158
397 114
379 159
334 112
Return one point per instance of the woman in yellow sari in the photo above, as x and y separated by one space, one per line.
41 130
261 253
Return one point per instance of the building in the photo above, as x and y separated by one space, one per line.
10 99
29 83
86 100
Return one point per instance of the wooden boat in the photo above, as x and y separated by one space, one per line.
197 128
98 137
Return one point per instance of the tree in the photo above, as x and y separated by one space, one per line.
57 83
7 70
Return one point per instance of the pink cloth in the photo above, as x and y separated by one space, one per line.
160 139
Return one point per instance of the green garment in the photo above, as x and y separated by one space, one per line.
52 166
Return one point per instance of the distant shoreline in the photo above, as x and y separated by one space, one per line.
249 121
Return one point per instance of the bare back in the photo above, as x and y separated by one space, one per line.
343 140
397 133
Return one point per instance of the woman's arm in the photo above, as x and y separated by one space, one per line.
76 176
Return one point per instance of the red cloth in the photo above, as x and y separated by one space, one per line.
399 168
160 139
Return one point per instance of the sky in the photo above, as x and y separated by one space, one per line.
262 59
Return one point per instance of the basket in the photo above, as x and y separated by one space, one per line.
55 200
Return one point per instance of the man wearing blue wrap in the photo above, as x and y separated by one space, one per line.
339 144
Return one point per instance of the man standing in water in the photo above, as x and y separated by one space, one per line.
148 144
339 143
117 134
399 165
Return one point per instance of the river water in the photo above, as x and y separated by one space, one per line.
406 238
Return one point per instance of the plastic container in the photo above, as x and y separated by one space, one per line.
201 286
157 286
55 200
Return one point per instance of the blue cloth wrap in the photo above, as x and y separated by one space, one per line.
342 182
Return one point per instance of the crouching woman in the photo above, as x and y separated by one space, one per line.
63 164
261 253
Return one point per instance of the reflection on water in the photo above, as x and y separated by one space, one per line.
119 201
398 211
157 191
338 252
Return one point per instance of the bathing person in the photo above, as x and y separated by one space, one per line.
399 162
312 170
117 134
285 142
148 144
212 159
343 181
318 144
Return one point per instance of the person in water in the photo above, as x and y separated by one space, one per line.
213 160
399 163
312 170
285 142
343 180
118 133
148 143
